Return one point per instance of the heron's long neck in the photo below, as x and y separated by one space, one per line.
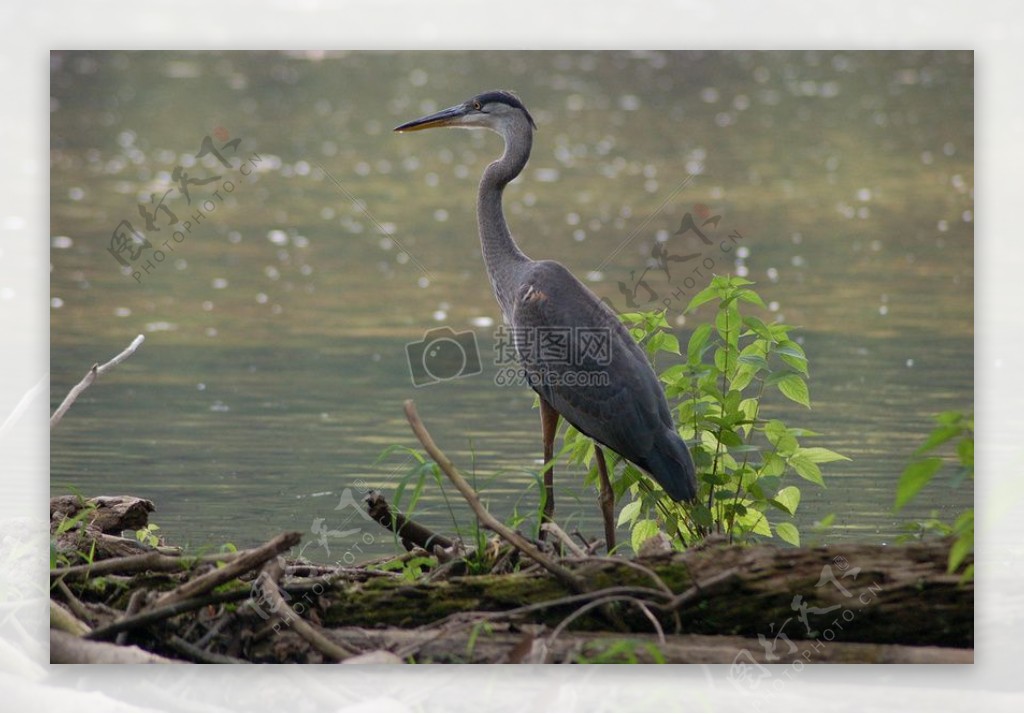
501 254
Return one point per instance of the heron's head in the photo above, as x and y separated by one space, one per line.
498 110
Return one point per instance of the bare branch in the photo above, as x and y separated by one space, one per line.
249 560
563 537
489 521
90 377
267 581
412 533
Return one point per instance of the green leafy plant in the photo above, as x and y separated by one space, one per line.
413 481
148 535
622 651
745 462
58 559
955 427
411 568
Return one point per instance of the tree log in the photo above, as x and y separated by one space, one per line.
483 646
849 593
110 514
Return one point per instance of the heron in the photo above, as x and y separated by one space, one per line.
612 395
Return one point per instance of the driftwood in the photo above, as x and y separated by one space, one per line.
94 372
245 562
108 514
68 649
501 645
744 605
412 534
855 593
855 603
90 529
267 583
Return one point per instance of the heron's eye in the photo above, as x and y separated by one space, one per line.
476 105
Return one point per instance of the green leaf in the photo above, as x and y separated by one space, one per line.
642 531
759 328
949 418
748 295
725 359
706 295
787 499
965 452
663 342
629 512
819 455
797 363
791 348
807 469
755 521
728 437
781 438
788 532
914 478
754 361
728 324
938 437
963 545
748 407
698 340
794 387
825 522
743 377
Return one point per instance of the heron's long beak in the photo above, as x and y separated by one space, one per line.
445 117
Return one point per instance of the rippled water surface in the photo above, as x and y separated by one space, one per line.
320 244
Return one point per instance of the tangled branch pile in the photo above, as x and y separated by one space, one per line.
720 603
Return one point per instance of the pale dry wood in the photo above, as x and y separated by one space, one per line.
91 376
68 649
65 621
444 645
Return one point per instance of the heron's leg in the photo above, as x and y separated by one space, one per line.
549 425
607 498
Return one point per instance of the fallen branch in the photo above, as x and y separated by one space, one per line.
249 560
437 645
198 654
412 534
563 537
110 514
68 649
65 621
152 561
149 617
482 514
267 584
94 372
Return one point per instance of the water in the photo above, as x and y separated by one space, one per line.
274 369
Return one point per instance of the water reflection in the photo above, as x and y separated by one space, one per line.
275 366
